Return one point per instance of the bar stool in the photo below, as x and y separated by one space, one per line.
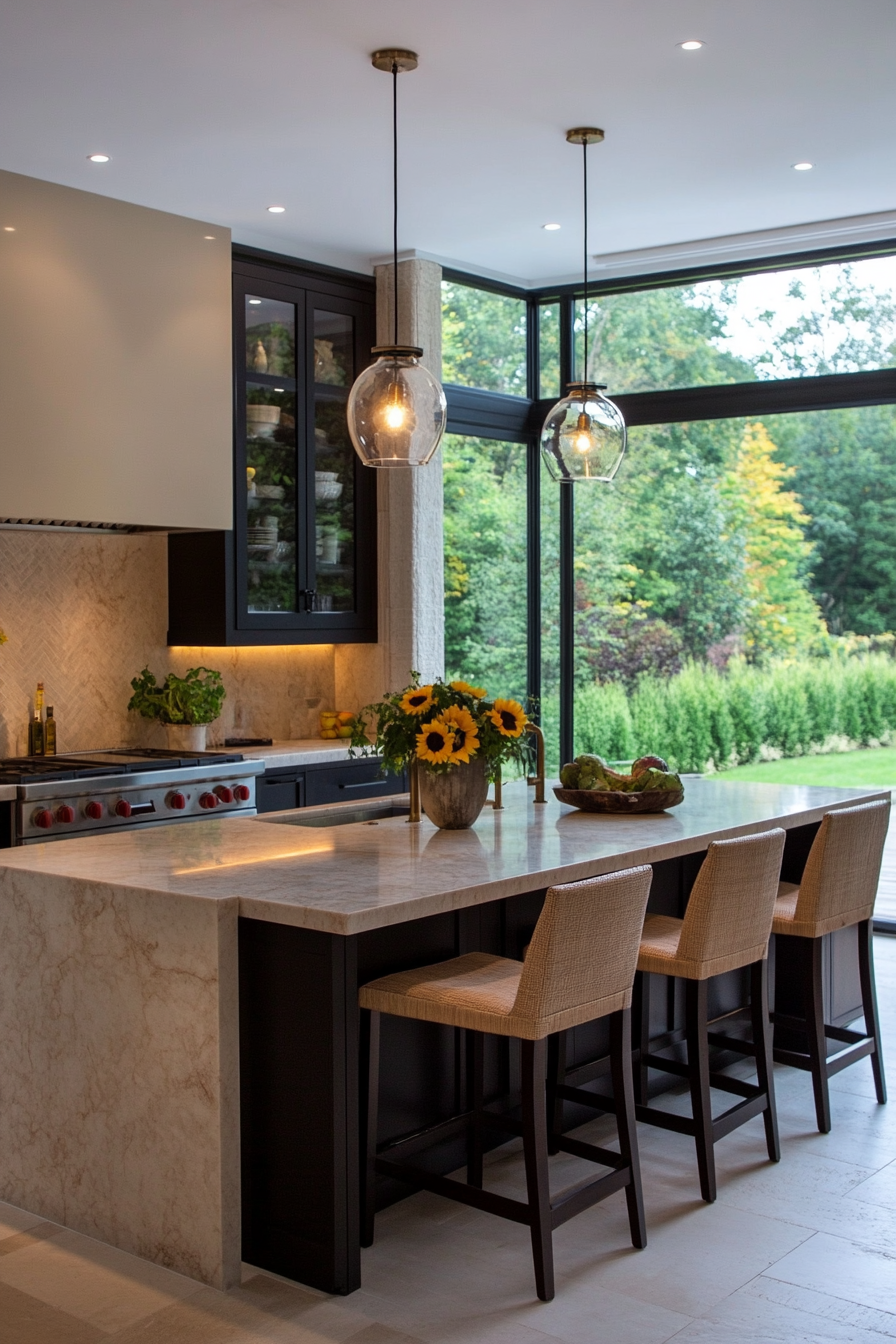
726 926
580 967
837 890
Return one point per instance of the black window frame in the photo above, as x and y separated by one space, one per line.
495 415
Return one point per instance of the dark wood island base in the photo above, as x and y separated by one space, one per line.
300 1083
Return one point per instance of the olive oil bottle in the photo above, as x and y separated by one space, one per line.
36 728
49 733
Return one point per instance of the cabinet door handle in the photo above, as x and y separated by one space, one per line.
368 784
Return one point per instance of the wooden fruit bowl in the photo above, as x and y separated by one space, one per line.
605 800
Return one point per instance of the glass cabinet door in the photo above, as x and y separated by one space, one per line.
305 525
333 345
269 493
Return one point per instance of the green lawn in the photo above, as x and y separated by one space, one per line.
873 765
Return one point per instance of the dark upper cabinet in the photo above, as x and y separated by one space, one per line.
299 566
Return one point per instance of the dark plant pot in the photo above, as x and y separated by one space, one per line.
454 800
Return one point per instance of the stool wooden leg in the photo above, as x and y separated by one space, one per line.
624 1096
869 1005
370 1029
556 1078
641 1001
475 1074
698 1076
813 999
762 1044
533 1065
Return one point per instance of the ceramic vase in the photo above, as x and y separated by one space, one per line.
453 801
186 736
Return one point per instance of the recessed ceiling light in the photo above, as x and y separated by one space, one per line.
209 237
550 227
98 158
276 209
279 389
255 300
8 228
804 166
692 44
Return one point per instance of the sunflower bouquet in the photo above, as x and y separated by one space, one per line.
441 725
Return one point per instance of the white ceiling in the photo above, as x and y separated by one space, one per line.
219 108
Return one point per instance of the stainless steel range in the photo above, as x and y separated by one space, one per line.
96 792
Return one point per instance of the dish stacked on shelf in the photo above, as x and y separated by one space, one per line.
327 487
263 539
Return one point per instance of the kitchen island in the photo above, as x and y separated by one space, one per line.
178 1007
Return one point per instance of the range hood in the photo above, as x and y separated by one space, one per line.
115 364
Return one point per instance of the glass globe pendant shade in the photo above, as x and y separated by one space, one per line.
583 438
396 410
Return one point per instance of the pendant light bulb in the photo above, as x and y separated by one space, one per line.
396 409
583 437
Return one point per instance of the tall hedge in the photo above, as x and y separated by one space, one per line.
702 719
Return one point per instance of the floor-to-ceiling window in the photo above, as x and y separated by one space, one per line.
752 516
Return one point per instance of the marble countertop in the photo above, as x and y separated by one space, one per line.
345 879
301 751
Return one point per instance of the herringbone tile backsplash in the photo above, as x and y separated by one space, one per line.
84 613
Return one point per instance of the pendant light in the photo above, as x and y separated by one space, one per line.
583 438
396 408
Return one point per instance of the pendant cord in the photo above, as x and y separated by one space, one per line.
395 198
585 251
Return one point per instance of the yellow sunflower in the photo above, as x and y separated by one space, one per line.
435 742
461 722
509 717
466 689
417 700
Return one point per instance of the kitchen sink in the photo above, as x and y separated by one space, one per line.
337 814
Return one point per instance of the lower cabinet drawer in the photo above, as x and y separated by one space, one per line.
346 783
274 794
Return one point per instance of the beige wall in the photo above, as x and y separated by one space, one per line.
84 613
115 361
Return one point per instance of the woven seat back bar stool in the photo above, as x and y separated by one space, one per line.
580 967
838 889
727 925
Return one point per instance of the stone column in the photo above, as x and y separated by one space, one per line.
409 518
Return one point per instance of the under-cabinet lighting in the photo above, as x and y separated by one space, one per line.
550 227
692 44
276 209
803 166
98 158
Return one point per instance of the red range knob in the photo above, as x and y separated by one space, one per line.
122 808
208 800
177 801
225 794
93 810
43 819
242 794
65 815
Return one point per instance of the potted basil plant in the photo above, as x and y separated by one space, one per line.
185 705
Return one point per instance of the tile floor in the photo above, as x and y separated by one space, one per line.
801 1252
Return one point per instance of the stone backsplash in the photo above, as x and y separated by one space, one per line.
83 613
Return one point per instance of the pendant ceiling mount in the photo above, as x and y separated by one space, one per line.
389 56
583 437
396 409
584 135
